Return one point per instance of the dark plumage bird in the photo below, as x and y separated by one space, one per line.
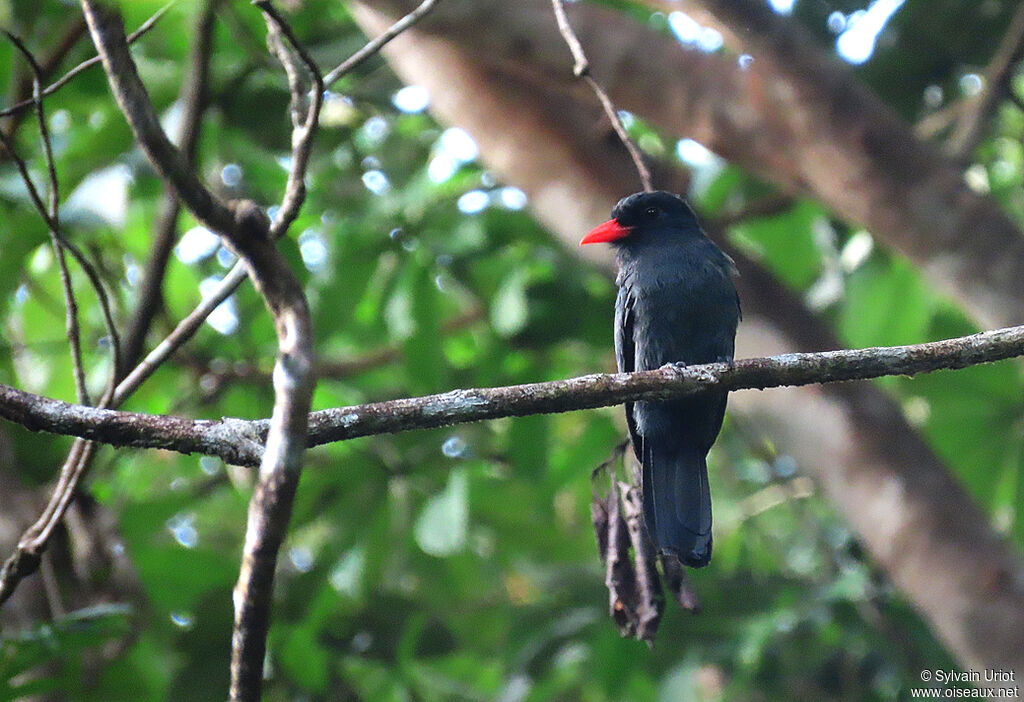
676 304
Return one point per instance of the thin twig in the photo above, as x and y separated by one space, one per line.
326 369
44 132
193 98
294 379
376 44
581 69
60 49
88 63
187 327
107 29
31 545
302 134
76 253
70 304
975 115
184 331
239 441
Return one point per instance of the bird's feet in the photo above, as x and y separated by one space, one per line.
677 367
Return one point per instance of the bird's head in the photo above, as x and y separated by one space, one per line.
645 216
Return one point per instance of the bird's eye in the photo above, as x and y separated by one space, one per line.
651 212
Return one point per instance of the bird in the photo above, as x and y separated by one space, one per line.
677 304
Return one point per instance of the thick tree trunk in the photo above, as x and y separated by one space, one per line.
795 116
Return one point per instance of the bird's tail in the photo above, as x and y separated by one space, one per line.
677 502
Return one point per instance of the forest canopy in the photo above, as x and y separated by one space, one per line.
409 213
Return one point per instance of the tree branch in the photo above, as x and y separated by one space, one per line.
668 382
52 216
238 441
107 29
581 69
306 103
281 464
973 119
85 65
376 44
193 97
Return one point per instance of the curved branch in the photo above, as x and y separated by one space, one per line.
193 98
301 70
72 330
974 118
581 69
239 441
23 105
107 29
281 464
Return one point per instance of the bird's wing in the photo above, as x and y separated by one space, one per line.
625 353
731 271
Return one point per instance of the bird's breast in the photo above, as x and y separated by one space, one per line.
682 314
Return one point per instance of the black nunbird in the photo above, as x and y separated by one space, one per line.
676 304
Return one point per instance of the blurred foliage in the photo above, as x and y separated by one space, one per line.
459 564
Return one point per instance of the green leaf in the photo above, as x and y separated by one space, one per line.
528 444
398 314
442 525
424 352
785 242
886 304
510 308
60 646
374 681
305 659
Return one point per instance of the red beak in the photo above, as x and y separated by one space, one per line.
609 231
